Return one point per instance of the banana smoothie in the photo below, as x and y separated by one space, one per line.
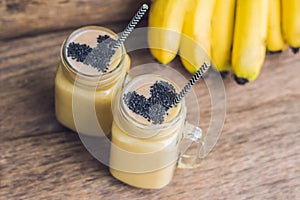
145 135
86 77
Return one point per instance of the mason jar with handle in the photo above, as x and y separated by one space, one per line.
145 154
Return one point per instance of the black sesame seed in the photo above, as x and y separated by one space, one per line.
102 38
139 104
155 108
78 51
157 113
98 57
163 93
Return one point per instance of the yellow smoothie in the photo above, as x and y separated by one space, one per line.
83 94
139 158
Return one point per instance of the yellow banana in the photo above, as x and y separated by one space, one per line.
275 42
249 48
291 23
222 34
195 41
165 24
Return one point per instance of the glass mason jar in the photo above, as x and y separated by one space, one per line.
82 93
144 154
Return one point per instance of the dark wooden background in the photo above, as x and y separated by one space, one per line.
23 17
256 157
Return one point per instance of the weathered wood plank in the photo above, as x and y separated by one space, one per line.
22 17
256 157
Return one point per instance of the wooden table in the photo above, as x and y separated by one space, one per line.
256 157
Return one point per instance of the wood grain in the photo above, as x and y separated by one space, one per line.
23 17
256 157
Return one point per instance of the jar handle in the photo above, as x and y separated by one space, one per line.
190 147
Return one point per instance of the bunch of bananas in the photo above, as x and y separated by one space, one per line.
235 34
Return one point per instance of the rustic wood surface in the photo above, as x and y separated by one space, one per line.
21 17
256 157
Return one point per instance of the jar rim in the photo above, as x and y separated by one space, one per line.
75 71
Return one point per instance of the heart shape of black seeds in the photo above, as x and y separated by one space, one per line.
156 106
98 57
